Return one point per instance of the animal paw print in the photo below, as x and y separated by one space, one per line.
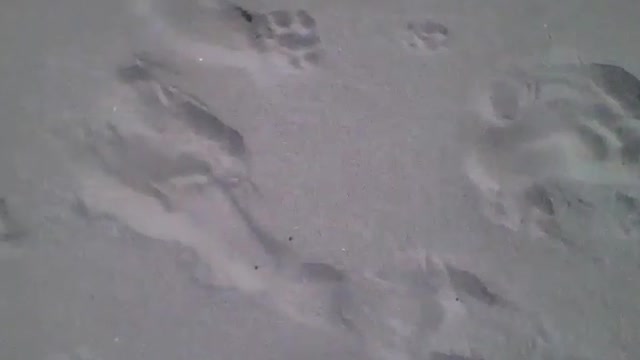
428 35
292 34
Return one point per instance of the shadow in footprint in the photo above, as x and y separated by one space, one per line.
619 84
186 107
467 283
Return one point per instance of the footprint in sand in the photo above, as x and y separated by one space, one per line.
176 116
572 123
220 33
293 34
508 96
394 314
415 310
165 172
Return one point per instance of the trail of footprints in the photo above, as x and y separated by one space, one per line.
391 314
289 34
392 318
294 35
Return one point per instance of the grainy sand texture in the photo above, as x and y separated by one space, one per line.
280 179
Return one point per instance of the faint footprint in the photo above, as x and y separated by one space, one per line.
390 319
427 35
502 101
188 259
395 312
288 33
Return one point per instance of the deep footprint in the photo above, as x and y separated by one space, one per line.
189 121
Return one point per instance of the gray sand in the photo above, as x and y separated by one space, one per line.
319 180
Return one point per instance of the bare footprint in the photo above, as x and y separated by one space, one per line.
427 35
149 185
184 120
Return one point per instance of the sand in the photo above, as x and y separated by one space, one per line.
393 180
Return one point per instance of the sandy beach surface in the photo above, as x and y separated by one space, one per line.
280 179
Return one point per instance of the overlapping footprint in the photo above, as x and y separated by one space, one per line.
145 178
573 122
165 173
